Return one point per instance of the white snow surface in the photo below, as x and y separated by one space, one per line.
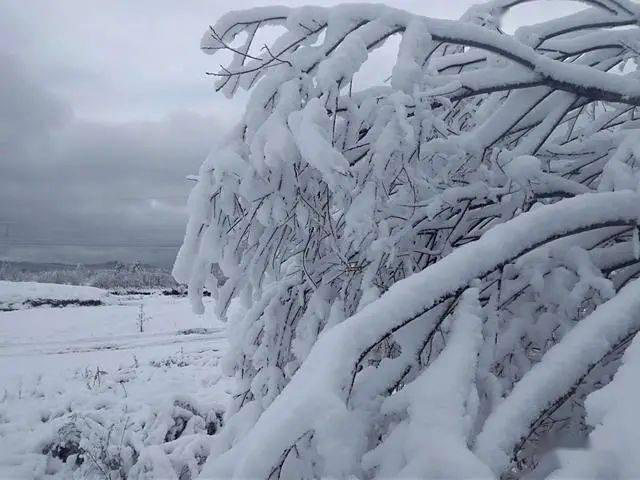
49 359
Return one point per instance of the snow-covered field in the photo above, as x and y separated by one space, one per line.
85 377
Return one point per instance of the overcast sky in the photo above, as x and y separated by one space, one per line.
104 110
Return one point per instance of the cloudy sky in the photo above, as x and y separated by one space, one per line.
105 109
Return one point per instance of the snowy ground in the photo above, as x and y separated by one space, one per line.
91 368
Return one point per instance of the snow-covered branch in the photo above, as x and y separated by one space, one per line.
317 391
350 220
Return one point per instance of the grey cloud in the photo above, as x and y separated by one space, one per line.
65 181
26 109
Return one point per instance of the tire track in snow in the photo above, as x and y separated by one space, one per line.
107 338
170 339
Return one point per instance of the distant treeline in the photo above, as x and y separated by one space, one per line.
113 275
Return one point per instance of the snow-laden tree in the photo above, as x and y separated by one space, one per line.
426 277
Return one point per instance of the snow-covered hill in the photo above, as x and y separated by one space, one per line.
14 295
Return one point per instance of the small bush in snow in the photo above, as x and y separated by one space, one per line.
96 440
141 319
